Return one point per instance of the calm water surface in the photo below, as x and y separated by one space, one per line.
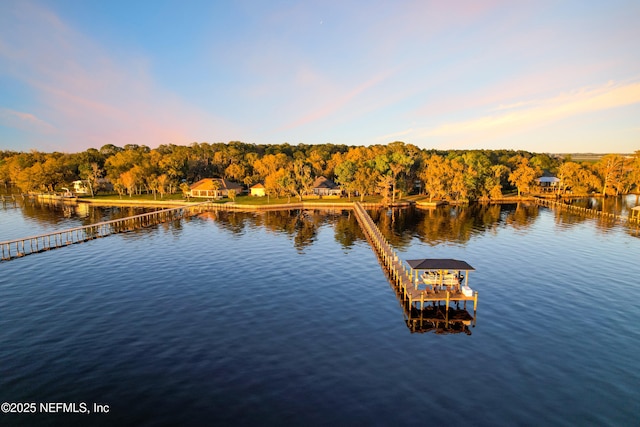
286 318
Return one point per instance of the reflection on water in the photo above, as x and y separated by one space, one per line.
439 320
300 225
445 224
434 316
451 224
458 224
32 216
262 318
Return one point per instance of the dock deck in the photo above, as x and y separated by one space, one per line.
400 274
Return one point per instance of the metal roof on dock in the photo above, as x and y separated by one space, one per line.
439 264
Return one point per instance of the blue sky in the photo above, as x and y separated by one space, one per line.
543 76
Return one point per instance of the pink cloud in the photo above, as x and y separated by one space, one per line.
520 117
25 121
93 96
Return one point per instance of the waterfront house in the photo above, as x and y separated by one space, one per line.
258 190
548 183
80 187
214 187
325 187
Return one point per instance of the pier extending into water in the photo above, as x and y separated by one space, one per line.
401 275
592 213
419 317
17 248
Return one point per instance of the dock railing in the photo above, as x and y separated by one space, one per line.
593 213
16 248
399 273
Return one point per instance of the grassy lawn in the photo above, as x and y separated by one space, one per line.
240 200
136 197
264 201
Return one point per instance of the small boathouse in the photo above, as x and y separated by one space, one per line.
442 279
441 274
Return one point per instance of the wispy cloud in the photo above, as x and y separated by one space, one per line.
340 102
521 116
94 96
24 121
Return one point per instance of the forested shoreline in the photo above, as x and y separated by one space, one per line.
391 171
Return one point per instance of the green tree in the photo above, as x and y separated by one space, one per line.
345 175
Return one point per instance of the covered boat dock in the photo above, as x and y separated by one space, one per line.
442 279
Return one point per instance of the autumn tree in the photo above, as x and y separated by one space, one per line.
494 182
523 175
119 187
365 180
611 171
385 184
580 179
434 175
634 174
91 174
186 190
128 181
215 186
163 180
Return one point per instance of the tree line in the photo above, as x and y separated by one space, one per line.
390 170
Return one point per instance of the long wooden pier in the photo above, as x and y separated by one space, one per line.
400 274
17 248
593 213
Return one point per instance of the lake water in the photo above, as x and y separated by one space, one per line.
286 318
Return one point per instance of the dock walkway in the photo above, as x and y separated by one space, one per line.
17 248
400 274
593 213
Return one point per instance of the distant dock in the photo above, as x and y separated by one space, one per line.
632 219
18 248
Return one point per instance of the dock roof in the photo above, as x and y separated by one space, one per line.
439 264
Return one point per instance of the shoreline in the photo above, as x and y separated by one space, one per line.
232 205
305 204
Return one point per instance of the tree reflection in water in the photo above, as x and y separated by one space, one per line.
445 224
300 225
450 224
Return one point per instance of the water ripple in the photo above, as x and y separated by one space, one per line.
236 324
